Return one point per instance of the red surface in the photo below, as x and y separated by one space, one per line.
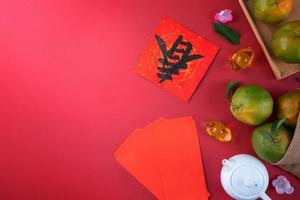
69 97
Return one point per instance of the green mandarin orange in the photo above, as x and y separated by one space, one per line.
286 42
272 11
270 146
288 107
251 104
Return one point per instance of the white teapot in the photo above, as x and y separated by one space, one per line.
244 177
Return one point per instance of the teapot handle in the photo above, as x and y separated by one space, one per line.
264 196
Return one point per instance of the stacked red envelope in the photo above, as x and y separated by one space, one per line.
165 157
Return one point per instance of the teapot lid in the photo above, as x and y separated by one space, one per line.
247 181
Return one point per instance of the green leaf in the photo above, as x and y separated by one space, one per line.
229 88
276 125
231 35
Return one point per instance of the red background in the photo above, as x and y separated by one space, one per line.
69 97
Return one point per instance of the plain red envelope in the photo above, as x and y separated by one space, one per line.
165 157
136 155
178 152
185 81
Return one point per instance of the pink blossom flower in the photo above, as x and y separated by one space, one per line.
282 185
224 16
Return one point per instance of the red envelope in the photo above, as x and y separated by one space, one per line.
178 152
165 157
175 59
136 155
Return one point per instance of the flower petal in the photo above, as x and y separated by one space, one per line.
224 16
275 182
289 190
282 178
279 190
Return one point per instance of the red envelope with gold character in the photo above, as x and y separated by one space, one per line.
176 59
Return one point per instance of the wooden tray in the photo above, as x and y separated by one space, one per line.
264 32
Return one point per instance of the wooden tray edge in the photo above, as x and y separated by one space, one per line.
275 70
